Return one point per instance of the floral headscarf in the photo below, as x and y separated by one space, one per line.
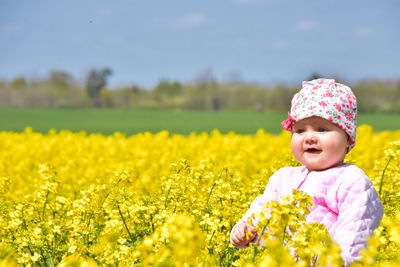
328 100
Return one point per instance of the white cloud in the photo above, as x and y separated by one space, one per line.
190 20
364 32
305 25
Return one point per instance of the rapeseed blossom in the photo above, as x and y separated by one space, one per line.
78 199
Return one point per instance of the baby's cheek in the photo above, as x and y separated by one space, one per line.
337 147
295 144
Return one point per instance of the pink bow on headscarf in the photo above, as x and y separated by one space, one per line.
287 124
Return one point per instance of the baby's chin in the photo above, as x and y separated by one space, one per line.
318 167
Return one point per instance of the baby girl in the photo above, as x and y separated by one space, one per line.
322 121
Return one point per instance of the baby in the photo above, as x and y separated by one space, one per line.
322 121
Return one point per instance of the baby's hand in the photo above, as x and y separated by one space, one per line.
242 234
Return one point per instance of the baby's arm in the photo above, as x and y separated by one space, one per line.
238 235
360 212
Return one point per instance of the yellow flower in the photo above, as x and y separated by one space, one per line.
166 199
35 257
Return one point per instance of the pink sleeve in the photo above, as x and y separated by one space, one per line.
271 193
360 212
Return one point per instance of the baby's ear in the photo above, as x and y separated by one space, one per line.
348 143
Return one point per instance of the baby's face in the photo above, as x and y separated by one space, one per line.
318 144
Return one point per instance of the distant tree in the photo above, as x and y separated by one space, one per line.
235 78
135 89
18 82
215 103
96 81
60 78
166 89
317 75
314 76
207 92
107 98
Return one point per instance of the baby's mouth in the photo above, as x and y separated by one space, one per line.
313 150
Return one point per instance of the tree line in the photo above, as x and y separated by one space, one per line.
60 90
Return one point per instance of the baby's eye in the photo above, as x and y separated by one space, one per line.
321 129
299 131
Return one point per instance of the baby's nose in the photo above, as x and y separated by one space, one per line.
311 138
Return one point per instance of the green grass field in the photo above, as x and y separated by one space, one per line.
182 122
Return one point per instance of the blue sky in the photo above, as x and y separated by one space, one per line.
263 41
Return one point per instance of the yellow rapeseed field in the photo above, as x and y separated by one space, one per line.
73 199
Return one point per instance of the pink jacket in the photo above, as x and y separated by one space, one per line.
344 200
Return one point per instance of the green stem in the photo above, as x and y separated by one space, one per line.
166 197
261 234
109 192
126 226
152 224
259 241
209 194
383 174
26 229
211 237
44 205
284 234
315 260
254 254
